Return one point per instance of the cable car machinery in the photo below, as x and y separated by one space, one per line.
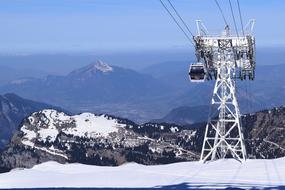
223 58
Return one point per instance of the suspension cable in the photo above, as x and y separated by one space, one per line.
177 23
221 11
234 19
240 17
181 19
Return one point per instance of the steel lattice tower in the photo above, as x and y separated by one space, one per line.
224 58
223 131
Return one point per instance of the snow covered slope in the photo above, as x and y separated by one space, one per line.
219 174
50 135
85 125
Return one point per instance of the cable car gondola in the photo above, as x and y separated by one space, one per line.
197 72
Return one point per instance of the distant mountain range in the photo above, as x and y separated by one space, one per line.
8 74
106 140
185 115
146 95
97 83
13 110
266 91
97 87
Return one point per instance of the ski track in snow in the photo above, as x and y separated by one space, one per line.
218 174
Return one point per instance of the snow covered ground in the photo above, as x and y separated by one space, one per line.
219 174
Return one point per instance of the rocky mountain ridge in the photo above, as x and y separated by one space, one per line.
94 139
107 140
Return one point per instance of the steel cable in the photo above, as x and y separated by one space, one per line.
176 12
177 23
221 11
234 19
240 17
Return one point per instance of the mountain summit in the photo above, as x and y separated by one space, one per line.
90 70
103 67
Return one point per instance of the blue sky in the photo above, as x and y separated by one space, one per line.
122 25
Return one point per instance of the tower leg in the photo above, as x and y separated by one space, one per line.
223 135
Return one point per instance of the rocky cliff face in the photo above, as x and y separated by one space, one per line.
107 140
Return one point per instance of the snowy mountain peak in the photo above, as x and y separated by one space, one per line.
103 67
91 70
